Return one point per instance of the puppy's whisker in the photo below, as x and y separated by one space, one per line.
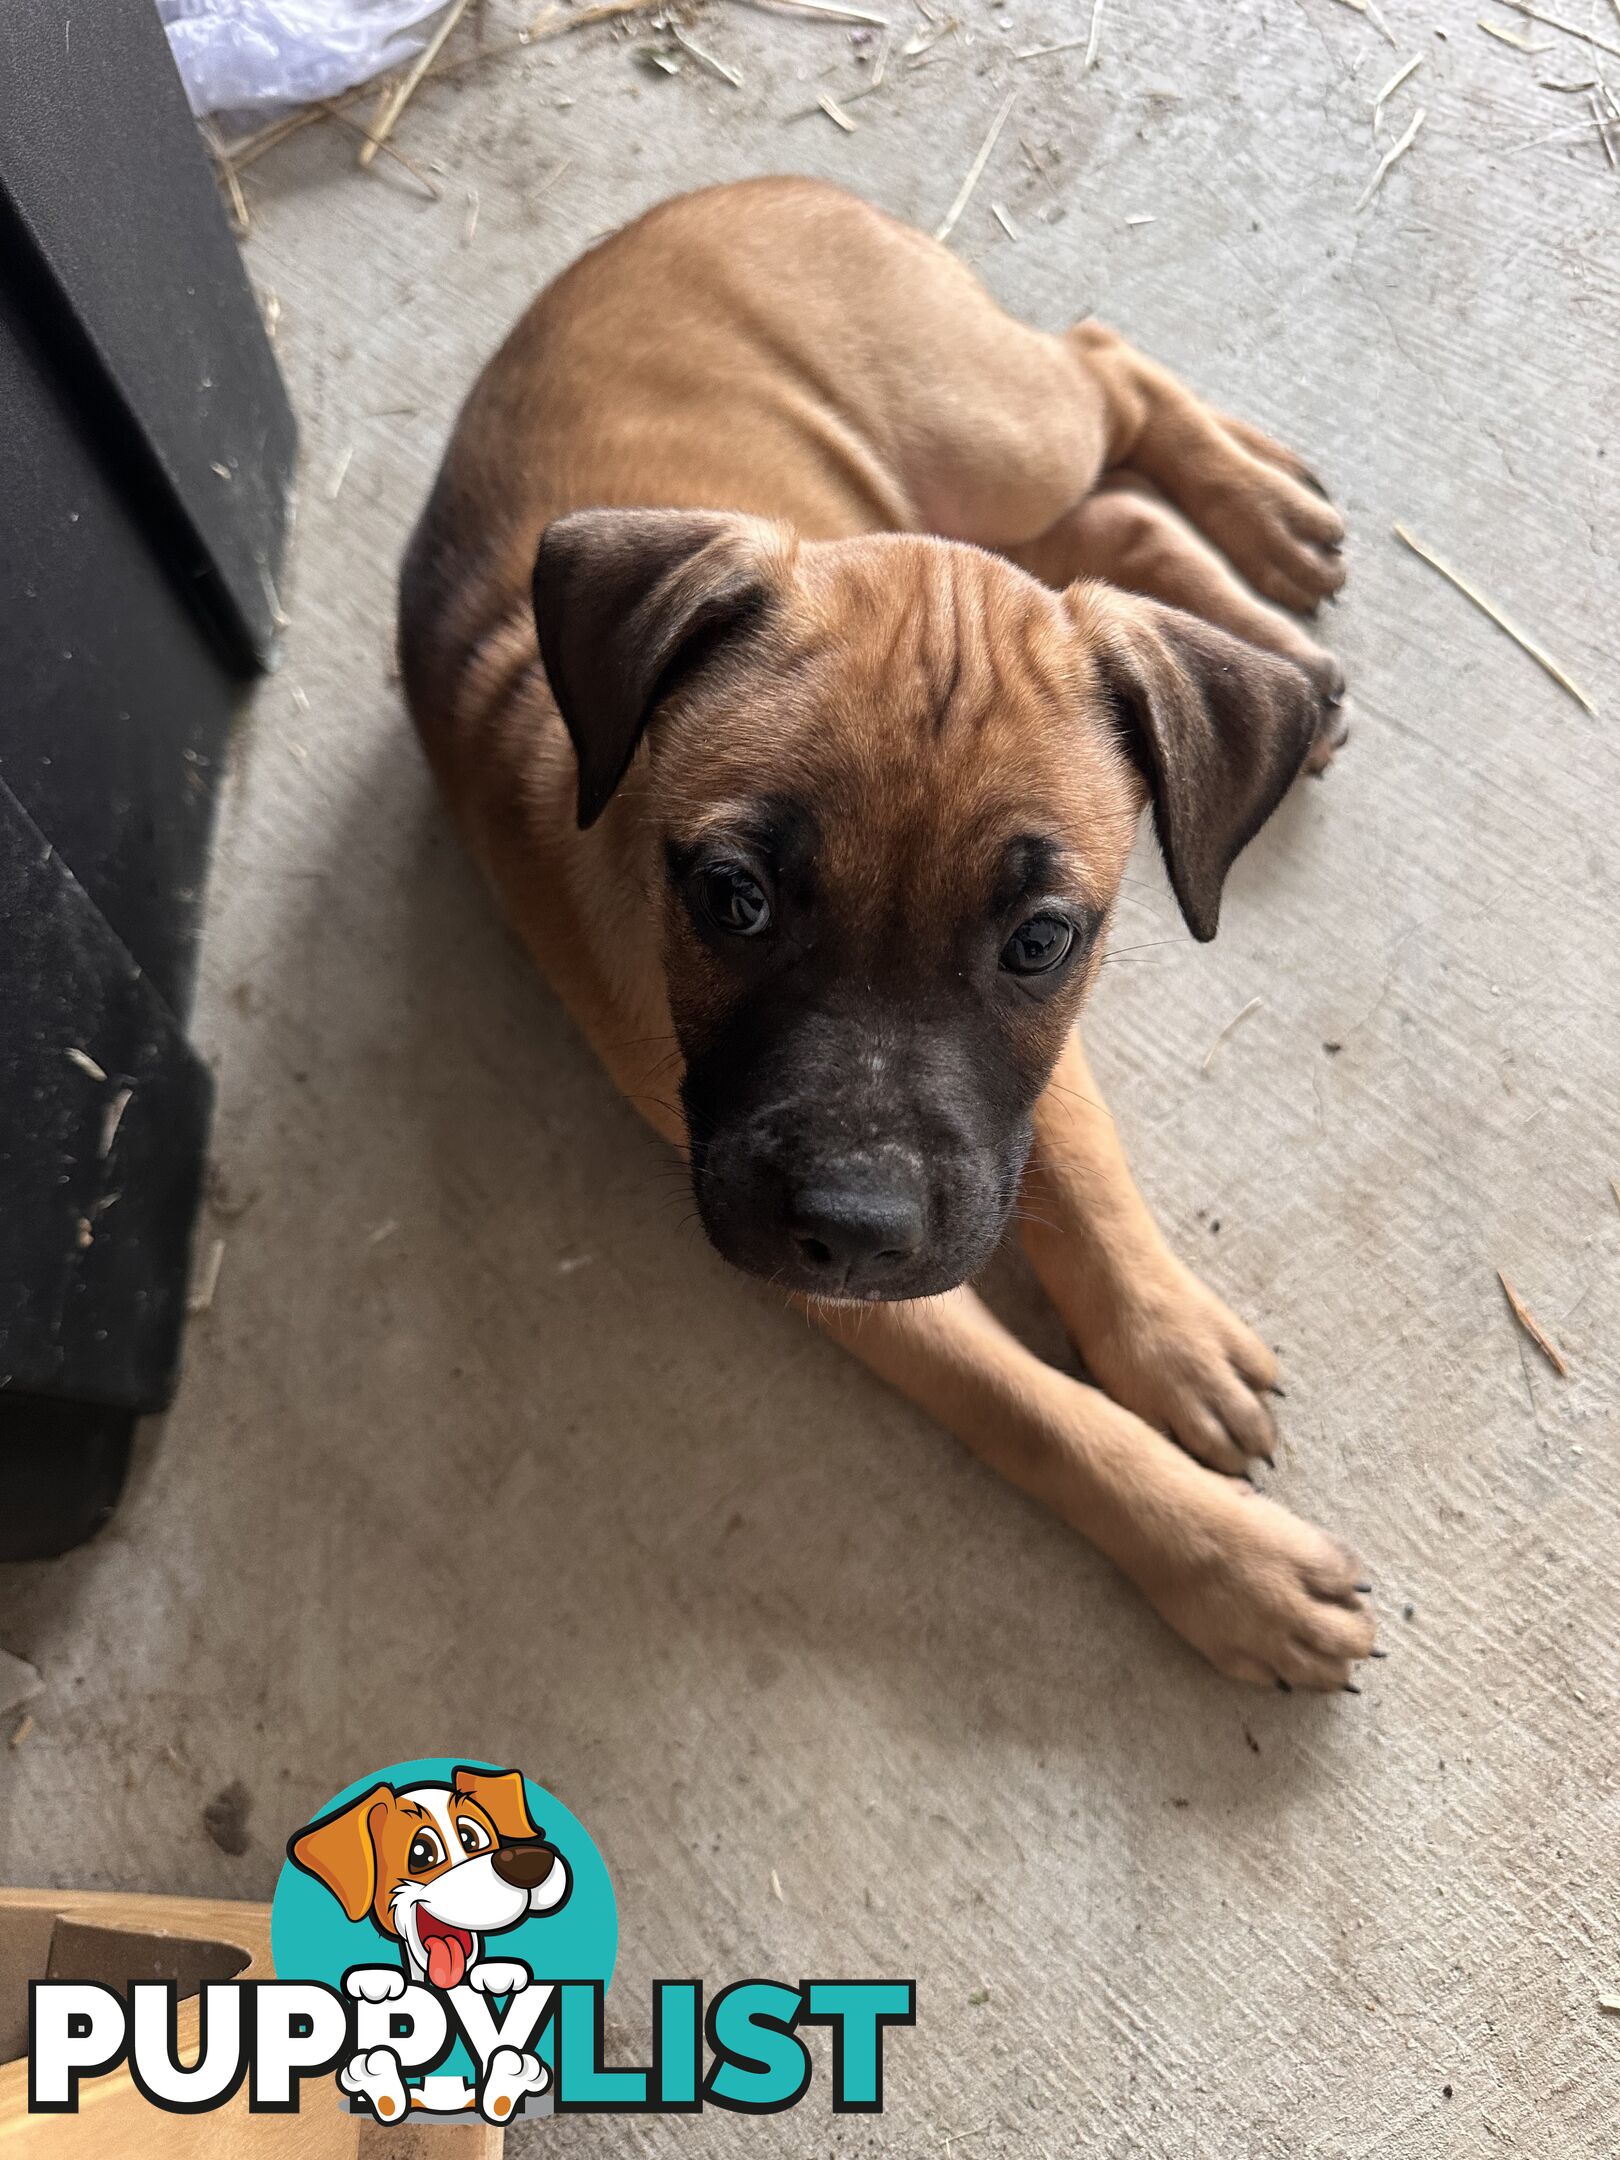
1056 1087
1121 952
1043 1222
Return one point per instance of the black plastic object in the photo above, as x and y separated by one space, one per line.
146 450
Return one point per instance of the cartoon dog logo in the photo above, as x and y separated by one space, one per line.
438 1869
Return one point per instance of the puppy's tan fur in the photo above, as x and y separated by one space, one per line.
849 400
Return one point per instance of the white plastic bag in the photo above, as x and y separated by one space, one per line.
242 55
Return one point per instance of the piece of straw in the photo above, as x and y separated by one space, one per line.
915 47
1392 86
835 113
1373 15
705 58
388 118
822 7
1095 33
238 200
1542 658
1395 150
1514 38
850 97
353 127
1556 22
553 21
340 472
112 1118
1532 1327
975 171
1230 1028
1603 122
202 1298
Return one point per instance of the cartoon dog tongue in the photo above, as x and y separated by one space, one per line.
446 1959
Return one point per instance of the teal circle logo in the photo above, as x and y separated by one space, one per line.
462 1878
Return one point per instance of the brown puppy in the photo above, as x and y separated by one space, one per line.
813 794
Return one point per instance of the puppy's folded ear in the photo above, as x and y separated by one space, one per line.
631 603
500 1794
1218 728
341 1850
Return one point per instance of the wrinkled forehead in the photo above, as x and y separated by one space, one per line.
922 723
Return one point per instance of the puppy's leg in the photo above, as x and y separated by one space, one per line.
1254 499
1149 1331
1266 1597
1010 430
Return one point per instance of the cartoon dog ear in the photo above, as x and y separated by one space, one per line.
631 603
500 1794
1218 728
341 1851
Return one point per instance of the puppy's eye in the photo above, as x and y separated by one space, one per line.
733 900
1038 946
425 1852
474 1837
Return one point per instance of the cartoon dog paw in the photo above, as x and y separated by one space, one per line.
375 1983
499 1976
509 2080
375 2077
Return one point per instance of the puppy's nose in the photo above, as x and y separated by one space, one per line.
525 1867
851 1231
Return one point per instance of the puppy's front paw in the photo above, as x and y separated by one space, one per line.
499 1976
1167 1348
1267 1598
511 2077
375 1983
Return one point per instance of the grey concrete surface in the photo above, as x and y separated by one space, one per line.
480 1449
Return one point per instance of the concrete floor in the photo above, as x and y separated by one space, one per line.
480 1449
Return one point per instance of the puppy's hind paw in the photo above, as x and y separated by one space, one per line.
510 2079
375 2077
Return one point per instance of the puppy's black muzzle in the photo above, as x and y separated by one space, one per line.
846 1157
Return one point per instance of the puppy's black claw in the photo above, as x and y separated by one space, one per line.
1270 1461
1378 1653
1350 1688
1365 1588
1285 1685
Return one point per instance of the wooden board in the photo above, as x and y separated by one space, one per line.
110 1935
